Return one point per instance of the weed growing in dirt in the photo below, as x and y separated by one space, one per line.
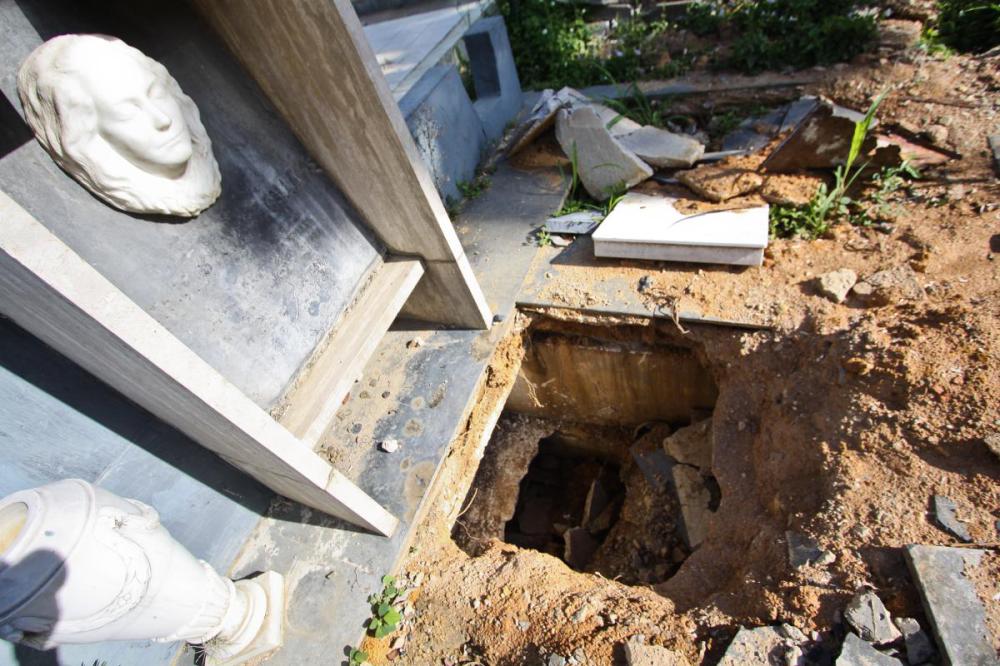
357 657
932 44
472 189
578 200
887 183
385 617
784 33
543 237
827 205
968 25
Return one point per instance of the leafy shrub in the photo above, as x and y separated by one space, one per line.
553 46
969 25
772 34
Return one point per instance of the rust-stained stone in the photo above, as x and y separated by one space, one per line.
722 181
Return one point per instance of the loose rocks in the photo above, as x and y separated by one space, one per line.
868 616
890 286
835 285
944 514
858 653
766 645
638 654
919 649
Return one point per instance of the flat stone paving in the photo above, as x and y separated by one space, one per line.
430 376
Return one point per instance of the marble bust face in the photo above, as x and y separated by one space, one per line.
119 123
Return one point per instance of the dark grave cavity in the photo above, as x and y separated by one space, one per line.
629 499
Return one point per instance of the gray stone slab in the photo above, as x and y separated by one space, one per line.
620 298
950 600
856 652
604 165
330 567
446 128
254 282
660 148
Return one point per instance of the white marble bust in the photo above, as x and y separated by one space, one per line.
119 123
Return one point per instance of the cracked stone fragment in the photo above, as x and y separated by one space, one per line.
660 148
868 616
944 516
835 285
856 652
604 165
919 649
640 654
766 646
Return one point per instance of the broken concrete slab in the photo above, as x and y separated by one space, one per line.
580 547
944 510
721 182
867 615
919 648
542 116
856 652
756 132
692 445
821 141
770 646
638 653
695 501
618 124
660 148
890 286
649 227
604 165
573 224
835 285
951 602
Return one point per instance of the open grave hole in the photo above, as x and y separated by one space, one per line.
602 457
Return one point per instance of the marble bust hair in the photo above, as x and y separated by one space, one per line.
117 121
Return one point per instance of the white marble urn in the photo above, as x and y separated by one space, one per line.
79 564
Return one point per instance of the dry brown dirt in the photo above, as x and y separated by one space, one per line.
840 423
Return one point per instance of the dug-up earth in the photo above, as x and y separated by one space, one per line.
840 423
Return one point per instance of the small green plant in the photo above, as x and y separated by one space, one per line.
932 44
577 199
473 188
357 657
784 33
385 617
827 204
880 203
968 25
543 237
